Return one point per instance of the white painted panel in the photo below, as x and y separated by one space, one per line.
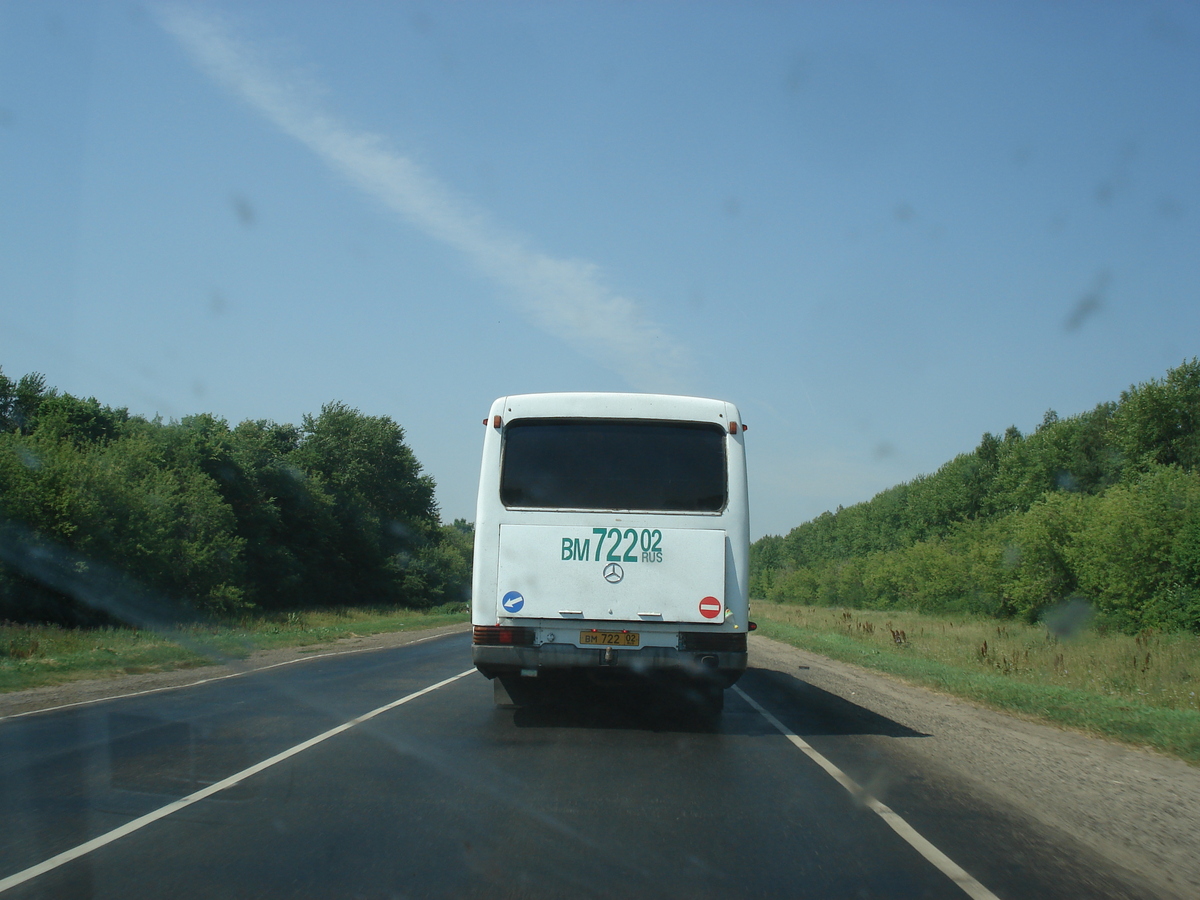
653 574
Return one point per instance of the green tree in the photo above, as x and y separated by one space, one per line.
1159 421
1133 551
382 506
20 400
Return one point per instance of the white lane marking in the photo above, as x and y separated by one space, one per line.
945 864
238 674
162 812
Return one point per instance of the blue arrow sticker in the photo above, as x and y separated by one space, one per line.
512 602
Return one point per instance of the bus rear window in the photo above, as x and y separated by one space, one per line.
614 464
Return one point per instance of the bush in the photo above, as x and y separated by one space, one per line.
333 513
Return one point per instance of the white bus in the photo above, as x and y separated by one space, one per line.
611 535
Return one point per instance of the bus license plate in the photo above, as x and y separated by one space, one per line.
610 638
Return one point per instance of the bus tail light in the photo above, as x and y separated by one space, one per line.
503 635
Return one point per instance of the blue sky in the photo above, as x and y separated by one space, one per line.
881 229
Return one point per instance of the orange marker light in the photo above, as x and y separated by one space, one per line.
497 421
733 427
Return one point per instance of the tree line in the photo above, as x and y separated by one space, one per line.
213 520
1102 507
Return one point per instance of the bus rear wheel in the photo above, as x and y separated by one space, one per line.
513 691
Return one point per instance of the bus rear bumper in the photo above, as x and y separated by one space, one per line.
721 667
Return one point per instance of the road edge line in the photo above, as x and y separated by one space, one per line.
162 812
894 820
213 678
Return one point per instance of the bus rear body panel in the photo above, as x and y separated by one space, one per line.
612 534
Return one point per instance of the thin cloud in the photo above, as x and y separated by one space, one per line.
563 297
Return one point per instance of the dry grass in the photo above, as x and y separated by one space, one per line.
32 655
1143 688
1155 668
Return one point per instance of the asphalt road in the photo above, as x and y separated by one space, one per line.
607 793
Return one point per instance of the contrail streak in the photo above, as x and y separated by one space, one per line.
563 297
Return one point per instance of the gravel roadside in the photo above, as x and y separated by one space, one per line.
1134 807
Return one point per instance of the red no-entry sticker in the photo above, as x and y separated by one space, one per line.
710 607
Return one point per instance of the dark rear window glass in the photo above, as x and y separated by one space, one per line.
614 464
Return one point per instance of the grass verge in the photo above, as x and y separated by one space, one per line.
32 656
1140 689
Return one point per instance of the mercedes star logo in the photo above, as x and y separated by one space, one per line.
613 573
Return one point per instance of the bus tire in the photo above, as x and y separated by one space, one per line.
512 692
714 699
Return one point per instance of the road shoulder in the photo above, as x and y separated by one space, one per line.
1135 807
55 696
